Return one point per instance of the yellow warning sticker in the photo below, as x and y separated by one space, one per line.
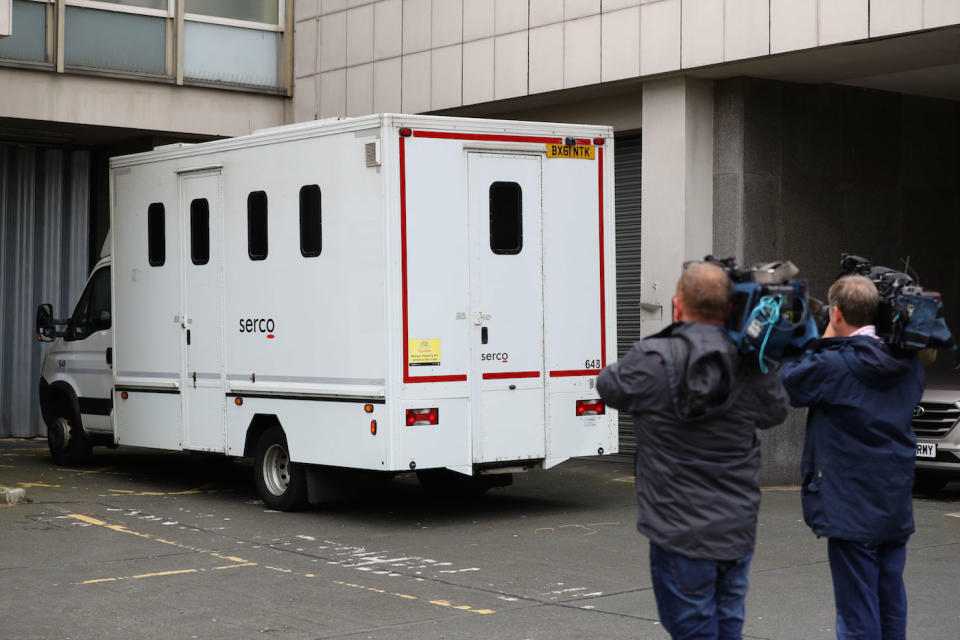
424 352
574 151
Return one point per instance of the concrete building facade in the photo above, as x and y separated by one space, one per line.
761 129
767 129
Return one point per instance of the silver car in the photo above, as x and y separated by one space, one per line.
938 436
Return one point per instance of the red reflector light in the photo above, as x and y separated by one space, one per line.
406 133
124 395
422 416
590 408
598 141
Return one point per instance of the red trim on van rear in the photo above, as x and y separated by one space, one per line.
450 135
517 374
577 372
603 309
403 275
495 137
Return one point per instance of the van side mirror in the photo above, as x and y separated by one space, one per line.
46 329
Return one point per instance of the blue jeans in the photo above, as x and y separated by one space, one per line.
868 589
699 599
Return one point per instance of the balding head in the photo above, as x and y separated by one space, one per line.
703 293
857 299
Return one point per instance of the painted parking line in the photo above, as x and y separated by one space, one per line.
403 596
238 562
141 576
108 471
585 529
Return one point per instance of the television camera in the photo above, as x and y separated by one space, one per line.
909 317
771 319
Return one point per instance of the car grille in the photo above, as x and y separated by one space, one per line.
934 419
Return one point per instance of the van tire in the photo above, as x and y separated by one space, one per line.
78 449
282 484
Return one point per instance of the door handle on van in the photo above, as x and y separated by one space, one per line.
483 335
110 356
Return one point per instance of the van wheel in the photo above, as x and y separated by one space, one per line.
282 484
69 445
926 483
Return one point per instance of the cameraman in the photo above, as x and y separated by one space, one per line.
858 460
695 413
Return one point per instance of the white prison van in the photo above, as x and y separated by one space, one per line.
386 293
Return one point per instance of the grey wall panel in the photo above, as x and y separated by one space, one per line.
628 189
805 172
44 222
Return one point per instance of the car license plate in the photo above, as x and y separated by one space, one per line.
572 151
926 450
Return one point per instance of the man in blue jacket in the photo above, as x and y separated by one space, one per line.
858 460
696 409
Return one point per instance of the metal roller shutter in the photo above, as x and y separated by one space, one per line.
628 188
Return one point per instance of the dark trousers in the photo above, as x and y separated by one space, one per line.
699 599
868 589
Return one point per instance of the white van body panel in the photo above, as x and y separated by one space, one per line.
410 304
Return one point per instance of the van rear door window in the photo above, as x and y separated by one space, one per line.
200 231
506 218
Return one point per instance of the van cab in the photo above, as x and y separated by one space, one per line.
76 382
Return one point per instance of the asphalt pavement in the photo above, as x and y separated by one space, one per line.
146 544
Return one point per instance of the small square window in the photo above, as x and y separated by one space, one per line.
311 232
200 231
156 235
506 218
257 225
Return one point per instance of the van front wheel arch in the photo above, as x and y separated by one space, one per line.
281 483
69 445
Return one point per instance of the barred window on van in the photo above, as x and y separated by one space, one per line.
257 225
506 218
200 231
156 235
311 231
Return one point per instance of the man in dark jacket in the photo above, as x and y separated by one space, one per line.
858 460
696 408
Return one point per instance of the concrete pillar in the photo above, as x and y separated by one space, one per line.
677 200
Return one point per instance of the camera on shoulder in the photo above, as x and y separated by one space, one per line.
771 319
909 317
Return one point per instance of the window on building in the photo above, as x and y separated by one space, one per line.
28 42
265 11
257 225
159 5
156 235
506 218
311 232
131 38
92 312
234 41
200 231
